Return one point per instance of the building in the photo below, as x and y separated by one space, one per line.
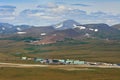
78 62
68 61
23 58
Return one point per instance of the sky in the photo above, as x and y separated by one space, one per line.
49 12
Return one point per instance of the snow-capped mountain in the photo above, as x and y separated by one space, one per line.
6 28
66 25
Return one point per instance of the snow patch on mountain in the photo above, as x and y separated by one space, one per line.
3 28
59 25
80 27
43 34
19 29
96 30
21 32
91 29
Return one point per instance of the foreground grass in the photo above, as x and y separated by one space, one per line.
56 74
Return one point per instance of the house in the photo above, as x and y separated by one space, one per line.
69 61
78 62
62 61
38 59
29 59
55 61
23 58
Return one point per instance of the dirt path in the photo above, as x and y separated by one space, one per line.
20 65
53 66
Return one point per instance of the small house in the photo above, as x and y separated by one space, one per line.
29 59
38 59
23 58
78 62
55 61
62 61
69 61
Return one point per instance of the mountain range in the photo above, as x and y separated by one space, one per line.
62 30
6 28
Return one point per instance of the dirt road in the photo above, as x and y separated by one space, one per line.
53 66
20 65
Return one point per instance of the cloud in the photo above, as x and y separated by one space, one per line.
30 11
50 11
49 5
98 14
54 13
7 18
8 6
101 17
53 8
59 2
83 5
7 12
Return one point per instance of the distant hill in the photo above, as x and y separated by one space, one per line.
58 35
39 31
29 34
66 25
100 31
6 28
117 26
103 31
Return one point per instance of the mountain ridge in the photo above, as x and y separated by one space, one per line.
69 29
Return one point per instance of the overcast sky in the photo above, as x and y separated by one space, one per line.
48 12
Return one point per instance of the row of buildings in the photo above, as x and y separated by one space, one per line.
66 61
54 61
59 61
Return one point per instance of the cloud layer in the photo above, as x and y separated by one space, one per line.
51 13
7 12
84 5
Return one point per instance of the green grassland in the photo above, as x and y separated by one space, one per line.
57 74
88 50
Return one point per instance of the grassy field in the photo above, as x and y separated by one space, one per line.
88 50
57 74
